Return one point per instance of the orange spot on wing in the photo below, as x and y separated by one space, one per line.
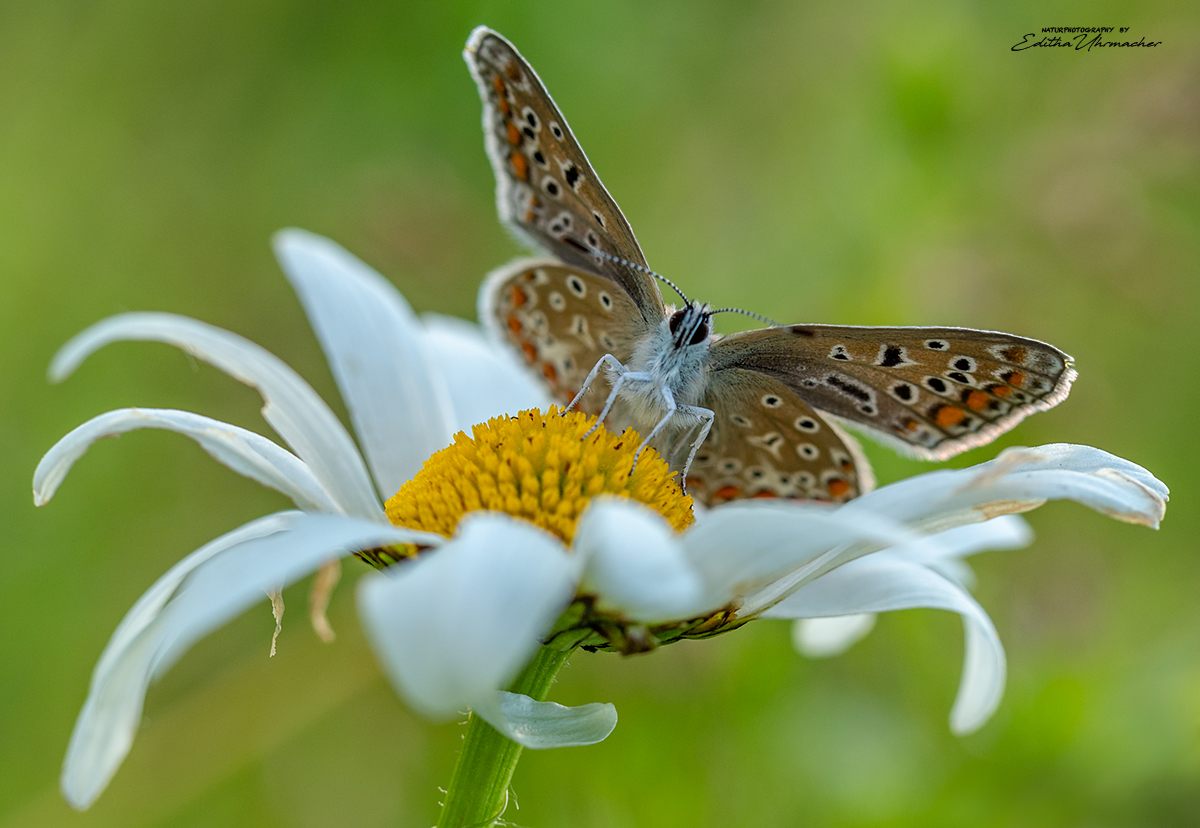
838 487
977 400
529 351
518 297
520 165
1016 378
911 425
514 324
847 466
765 493
534 203
948 415
514 134
695 483
1000 391
549 372
727 493
501 99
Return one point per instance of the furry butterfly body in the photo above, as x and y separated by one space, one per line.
752 414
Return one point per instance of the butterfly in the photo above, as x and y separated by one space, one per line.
759 413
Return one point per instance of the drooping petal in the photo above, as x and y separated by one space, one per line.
292 408
484 381
201 592
1018 480
375 346
829 636
104 731
635 563
243 451
832 635
945 551
880 583
765 549
541 725
453 628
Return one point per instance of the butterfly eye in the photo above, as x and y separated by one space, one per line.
676 319
700 334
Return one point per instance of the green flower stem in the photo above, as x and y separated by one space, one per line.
478 792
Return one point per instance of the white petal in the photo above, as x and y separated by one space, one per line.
374 344
292 408
878 584
635 564
201 592
243 451
945 550
1004 532
484 380
741 547
831 636
1086 460
1017 481
454 627
541 725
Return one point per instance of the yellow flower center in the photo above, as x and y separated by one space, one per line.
537 467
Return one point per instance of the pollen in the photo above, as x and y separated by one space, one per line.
538 467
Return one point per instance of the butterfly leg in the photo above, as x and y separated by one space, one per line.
706 420
622 378
671 407
607 360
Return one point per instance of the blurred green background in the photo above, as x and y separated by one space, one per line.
856 163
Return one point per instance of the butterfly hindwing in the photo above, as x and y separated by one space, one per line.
933 391
767 442
561 320
545 188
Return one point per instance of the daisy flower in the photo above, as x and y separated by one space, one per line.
503 552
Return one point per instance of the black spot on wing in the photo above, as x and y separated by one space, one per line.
847 388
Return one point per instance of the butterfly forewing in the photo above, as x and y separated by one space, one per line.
767 442
933 391
561 320
545 188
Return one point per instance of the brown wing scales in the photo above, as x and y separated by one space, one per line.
767 442
545 188
934 392
561 320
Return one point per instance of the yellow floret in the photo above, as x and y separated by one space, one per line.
537 467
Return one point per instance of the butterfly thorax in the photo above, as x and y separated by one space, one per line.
674 355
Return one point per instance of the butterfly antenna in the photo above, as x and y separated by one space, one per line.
752 314
641 268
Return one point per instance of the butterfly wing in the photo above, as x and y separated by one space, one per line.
932 392
561 320
767 442
545 188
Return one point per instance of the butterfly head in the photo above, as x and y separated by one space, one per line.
690 325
